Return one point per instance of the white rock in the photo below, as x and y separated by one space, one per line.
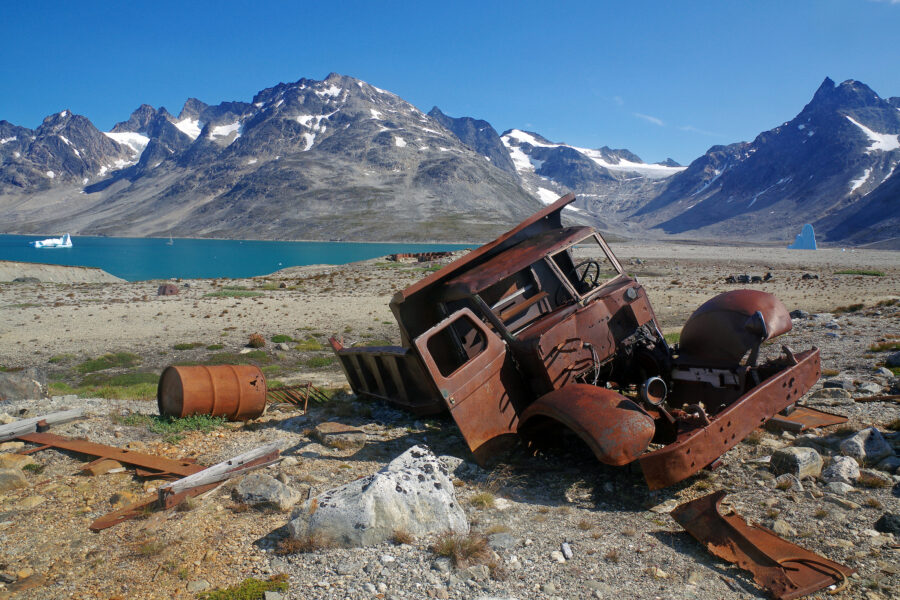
839 488
557 556
413 493
842 469
868 447
801 462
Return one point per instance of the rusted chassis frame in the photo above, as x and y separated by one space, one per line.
694 449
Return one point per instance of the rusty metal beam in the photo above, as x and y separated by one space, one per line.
786 570
156 466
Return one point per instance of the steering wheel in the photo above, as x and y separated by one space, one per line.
584 277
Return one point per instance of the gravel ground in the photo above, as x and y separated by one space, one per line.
621 547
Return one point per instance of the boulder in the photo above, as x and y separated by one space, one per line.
413 493
869 388
893 360
262 489
889 464
836 487
838 383
788 482
868 447
800 462
873 478
888 523
27 384
340 436
842 469
167 289
12 479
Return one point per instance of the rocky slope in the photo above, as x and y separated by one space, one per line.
831 166
279 167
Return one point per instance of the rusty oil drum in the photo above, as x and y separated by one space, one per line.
237 392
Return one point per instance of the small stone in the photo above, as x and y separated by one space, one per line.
24 573
442 565
802 462
838 383
839 488
889 464
381 587
289 461
868 447
369 587
501 541
340 436
197 585
477 572
15 461
30 502
842 469
888 523
104 466
665 507
120 499
893 360
695 578
11 446
870 389
548 588
566 550
788 482
6 419
782 528
799 314
842 502
557 556
502 504
262 489
12 479
656 573
875 478
273 596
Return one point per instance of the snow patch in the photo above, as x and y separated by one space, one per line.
8 140
399 142
135 141
801 127
547 196
310 138
857 183
252 161
50 174
66 140
332 90
64 113
84 181
190 127
878 141
227 130
375 113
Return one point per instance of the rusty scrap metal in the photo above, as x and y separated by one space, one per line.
150 465
418 256
880 398
237 392
786 570
298 395
803 418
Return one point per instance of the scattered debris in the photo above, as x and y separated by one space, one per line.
786 570
748 278
803 418
418 256
542 329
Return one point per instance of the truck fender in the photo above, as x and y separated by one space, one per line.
616 429
729 325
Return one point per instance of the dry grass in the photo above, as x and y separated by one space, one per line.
629 532
894 425
830 372
871 481
612 555
755 437
311 542
463 549
821 513
482 500
784 484
585 525
873 502
256 341
498 528
401 536
888 346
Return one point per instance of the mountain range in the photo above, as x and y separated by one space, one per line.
342 159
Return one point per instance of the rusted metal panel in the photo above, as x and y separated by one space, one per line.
697 447
786 570
616 429
237 392
803 418
725 327
158 465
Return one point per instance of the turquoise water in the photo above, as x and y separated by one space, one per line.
137 259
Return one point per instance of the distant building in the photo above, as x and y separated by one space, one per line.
806 239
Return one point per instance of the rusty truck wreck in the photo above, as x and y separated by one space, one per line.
542 328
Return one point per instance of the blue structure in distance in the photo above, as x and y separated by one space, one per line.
806 239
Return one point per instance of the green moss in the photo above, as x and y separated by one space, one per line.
215 346
673 338
61 358
109 361
187 345
860 272
171 425
107 390
281 338
249 589
319 361
308 345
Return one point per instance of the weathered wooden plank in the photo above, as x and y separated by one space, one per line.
23 426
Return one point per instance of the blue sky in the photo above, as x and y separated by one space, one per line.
659 78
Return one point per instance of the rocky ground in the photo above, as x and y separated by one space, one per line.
619 537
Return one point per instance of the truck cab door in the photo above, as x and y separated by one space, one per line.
475 376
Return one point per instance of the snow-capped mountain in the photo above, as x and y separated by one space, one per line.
64 148
331 159
823 167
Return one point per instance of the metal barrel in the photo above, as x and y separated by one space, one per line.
237 392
